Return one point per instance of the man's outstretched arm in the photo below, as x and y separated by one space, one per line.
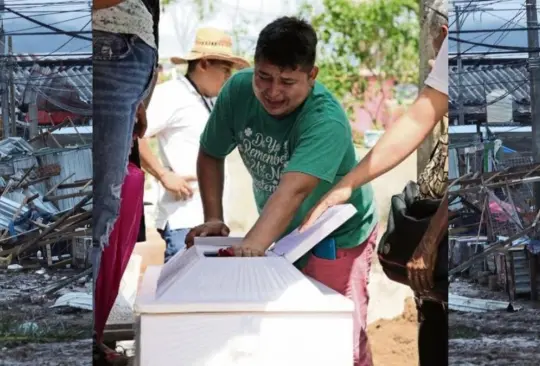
279 211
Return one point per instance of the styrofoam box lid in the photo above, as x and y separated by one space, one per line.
290 292
194 282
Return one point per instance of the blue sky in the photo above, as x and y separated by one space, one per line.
73 15
493 16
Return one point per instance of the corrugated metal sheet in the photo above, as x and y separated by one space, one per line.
78 161
522 274
23 163
468 304
19 195
513 268
65 83
479 80
14 146
8 208
55 57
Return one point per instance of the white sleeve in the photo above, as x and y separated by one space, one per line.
438 78
163 110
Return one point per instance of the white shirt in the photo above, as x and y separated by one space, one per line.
128 17
177 116
438 77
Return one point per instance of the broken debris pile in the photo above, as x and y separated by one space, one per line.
45 204
493 227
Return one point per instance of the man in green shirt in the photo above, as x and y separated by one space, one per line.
296 142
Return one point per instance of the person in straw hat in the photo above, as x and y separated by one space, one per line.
177 115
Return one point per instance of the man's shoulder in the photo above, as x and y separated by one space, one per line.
323 106
244 75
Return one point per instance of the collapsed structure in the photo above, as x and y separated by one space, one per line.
46 162
493 217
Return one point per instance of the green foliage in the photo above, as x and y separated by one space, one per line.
376 35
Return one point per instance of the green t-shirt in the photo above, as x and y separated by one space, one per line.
316 139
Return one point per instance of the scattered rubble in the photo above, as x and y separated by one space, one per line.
45 241
45 205
29 321
493 258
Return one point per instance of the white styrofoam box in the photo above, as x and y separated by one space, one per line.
307 324
201 310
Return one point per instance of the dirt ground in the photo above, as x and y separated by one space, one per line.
32 333
393 341
500 337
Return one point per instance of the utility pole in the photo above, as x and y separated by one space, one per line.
11 70
3 77
461 112
534 72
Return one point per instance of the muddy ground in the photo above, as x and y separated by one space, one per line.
32 333
494 337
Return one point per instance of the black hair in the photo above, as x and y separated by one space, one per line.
191 66
289 43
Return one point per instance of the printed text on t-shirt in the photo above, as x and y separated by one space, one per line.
265 157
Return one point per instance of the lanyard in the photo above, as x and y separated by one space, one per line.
198 92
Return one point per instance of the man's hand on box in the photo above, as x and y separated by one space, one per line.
247 249
210 228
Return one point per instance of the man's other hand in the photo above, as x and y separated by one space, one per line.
210 228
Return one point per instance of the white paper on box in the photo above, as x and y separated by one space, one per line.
296 244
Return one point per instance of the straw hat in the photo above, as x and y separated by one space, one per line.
213 44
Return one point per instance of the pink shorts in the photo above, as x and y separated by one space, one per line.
349 275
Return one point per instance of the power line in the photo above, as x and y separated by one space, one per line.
58 22
67 42
33 4
63 33
510 48
58 30
494 30
504 26
40 13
